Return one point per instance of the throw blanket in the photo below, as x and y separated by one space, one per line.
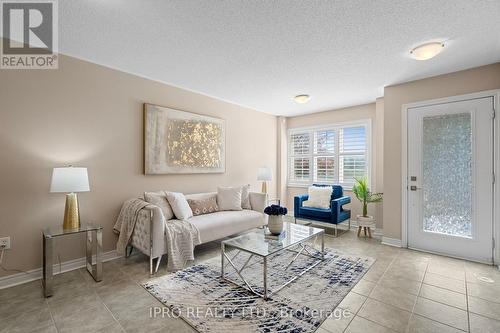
181 237
125 223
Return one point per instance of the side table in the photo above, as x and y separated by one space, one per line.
94 247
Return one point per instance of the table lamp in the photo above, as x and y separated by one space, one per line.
70 180
265 175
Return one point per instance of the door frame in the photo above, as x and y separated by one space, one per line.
495 95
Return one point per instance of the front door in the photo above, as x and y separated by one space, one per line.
450 179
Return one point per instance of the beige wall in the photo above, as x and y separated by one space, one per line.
463 82
91 116
367 111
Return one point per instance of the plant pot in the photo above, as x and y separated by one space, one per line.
365 219
275 224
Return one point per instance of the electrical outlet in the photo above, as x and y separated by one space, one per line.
5 243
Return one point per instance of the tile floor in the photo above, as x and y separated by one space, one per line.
404 291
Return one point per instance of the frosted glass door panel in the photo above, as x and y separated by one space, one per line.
447 174
450 175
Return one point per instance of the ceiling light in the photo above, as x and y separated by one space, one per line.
301 99
427 51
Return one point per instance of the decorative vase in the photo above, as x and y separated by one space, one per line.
275 224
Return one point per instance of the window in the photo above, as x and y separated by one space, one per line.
331 154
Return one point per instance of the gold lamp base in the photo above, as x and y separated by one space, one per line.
71 214
264 187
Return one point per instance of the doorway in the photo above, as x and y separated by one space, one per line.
450 181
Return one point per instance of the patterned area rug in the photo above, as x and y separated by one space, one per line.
210 304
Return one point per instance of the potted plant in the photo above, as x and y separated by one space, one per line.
365 196
275 222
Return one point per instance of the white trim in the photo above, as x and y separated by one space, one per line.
366 122
36 274
495 94
353 123
391 242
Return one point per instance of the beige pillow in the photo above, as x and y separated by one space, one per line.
203 206
245 197
179 205
229 198
160 199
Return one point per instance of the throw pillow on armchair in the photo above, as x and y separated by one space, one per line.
319 197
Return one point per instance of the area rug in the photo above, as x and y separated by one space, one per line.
208 303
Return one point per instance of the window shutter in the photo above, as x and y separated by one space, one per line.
300 169
325 171
300 163
332 155
352 154
300 144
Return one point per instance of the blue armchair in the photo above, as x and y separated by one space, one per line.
335 215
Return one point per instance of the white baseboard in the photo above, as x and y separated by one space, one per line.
35 274
391 241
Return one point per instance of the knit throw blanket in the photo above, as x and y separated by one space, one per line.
125 223
181 236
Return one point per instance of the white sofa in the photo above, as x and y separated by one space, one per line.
211 226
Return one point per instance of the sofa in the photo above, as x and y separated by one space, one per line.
333 216
211 226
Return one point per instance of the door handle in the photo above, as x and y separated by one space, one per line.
414 188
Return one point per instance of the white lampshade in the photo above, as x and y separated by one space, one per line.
69 179
265 174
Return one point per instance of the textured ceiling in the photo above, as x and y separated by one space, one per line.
260 54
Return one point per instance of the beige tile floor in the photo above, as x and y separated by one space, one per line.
404 291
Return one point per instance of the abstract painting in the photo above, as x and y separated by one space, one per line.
182 142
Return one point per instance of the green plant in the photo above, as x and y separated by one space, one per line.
363 193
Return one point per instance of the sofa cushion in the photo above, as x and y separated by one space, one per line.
179 205
225 223
245 197
203 206
160 199
229 198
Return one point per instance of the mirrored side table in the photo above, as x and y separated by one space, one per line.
94 248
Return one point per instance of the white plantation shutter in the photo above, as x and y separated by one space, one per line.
300 160
324 169
332 155
352 154
324 156
300 144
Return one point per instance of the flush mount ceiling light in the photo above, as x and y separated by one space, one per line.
301 99
427 51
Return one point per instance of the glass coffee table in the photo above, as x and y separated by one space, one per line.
255 243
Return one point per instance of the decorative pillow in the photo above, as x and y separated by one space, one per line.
245 197
179 205
319 197
160 199
229 198
203 206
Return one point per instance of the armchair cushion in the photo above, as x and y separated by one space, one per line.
316 212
